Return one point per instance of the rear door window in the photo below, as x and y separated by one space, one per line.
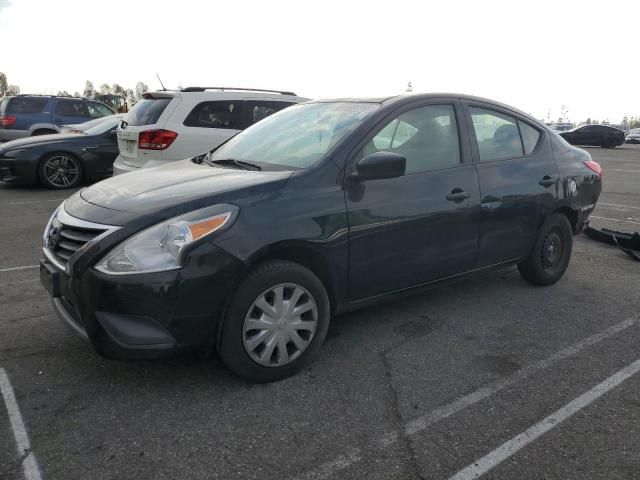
26 105
97 110
497 135
147 111
72 108
220 114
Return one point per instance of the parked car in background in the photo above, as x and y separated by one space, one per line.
561 127
634 136
61 160
594 135
81 127
166 126
321 208
28 115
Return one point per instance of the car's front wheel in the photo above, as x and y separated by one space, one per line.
60 170
275 322
551 253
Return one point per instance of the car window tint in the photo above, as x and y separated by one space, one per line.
215 115
97 110
497 135
530 136
426 136
259 110
72 108
26 105
146 111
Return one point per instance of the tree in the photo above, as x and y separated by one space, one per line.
140 89
588 122
63 93
76 94
12 90
3 84
118 90
105 89
89 91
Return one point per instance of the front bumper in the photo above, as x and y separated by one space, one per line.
145 315
632 140
19 171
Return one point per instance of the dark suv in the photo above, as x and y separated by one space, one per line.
321 208
26 115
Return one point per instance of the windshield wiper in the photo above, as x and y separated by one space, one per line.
232 161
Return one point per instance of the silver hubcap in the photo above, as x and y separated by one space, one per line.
61 171
280 325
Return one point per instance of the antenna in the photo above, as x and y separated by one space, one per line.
162 84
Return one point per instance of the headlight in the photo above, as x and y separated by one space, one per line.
162 246
45 235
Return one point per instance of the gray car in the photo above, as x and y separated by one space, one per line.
633 137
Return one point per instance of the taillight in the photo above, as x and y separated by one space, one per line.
7 121
156 139
594 167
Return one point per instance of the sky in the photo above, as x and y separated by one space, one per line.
535 55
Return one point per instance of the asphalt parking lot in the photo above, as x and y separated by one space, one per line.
486 375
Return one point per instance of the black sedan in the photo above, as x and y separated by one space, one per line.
595 135
321 208
61 160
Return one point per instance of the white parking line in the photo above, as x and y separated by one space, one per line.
625 207
520 441
419 424
29 463
26 202
615 220
26 267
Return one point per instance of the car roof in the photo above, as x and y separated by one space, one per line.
411 97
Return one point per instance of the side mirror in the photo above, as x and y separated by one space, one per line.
380 165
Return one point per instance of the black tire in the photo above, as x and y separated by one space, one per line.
68 164
608 144
551 253
43 132
262 278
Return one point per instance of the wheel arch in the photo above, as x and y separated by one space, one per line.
571 214
307 256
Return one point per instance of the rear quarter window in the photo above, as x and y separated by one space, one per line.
3 105
26 105
147 111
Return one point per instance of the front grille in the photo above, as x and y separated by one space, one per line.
65 240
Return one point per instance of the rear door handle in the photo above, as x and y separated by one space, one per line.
457 195
547 181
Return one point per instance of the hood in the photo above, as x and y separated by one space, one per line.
31 141
179 187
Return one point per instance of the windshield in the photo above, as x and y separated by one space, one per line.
635 131
103 127
296 137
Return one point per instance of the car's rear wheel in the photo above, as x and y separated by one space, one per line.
60 171
609 143
275 322
551 253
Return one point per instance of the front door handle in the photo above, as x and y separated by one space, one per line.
458 195
547 181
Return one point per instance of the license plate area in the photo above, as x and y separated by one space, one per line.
50 279
130 147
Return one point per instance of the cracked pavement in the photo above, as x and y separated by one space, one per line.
344 416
